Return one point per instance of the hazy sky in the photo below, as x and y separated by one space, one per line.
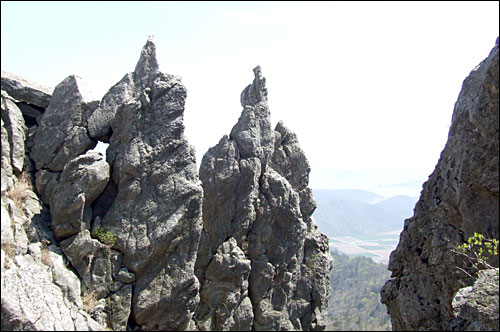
368 87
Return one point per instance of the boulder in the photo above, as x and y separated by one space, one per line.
26 91
82 180
62 134
476 307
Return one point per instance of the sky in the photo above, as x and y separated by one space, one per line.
368 87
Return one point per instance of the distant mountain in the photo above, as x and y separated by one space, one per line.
411 188
347 212
400 205
347 194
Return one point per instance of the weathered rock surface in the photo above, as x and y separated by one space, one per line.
14 133
257 220
38 291
130 86
26 91
461 197
476 307
130 226
156 214
71 192
62 134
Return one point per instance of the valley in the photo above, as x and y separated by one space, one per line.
376 246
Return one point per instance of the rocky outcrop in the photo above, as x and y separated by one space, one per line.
461 197
128 225
39 292
156 213
119 242
62 134
25 91
476 307
257 222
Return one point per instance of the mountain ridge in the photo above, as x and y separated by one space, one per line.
354 211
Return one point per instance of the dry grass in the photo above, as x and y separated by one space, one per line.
90 301
45 258
19 192
9 249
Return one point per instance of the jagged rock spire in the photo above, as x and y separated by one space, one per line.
257 209
255 92
129 87
147 65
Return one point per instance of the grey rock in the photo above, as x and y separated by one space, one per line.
289 160
225 291
26 91
156 213
461 197
82 180
6 165
119 308
38 291
31 301
256 195
62 134
99 122
131 86
31 113
92 261
125 276
13 121
476 307
253 132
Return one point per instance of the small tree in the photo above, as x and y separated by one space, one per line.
478 250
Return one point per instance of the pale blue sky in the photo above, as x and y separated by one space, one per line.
369 87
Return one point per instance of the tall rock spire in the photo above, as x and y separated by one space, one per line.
156 213
257 218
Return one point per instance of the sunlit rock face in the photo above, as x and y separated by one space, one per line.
461 197
257 220
118 241
129 224
156 209
39 291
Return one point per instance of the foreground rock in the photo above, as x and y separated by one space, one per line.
39 292
26 91
129 226
461 197
62 134
476 307
257 222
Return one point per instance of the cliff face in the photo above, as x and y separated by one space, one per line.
39 292
257 221
461 197
120 242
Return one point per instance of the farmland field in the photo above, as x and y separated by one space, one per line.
377 246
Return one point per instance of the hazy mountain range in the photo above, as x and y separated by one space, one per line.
347 212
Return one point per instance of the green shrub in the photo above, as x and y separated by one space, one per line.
478 250
105 236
